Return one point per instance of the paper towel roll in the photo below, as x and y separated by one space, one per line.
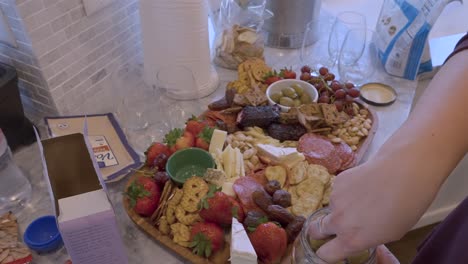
175 33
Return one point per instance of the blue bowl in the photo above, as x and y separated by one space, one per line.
42 235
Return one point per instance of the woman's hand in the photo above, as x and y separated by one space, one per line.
384 256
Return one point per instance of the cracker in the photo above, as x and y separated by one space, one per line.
332 116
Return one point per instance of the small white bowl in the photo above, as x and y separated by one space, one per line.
279 85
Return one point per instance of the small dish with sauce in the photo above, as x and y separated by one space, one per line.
378 94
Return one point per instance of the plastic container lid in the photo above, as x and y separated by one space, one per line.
378 94
42 235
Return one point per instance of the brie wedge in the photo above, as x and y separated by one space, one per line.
279 155
242 251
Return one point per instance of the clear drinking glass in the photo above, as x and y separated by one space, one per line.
303 252
179 94
344 22
316 55
358 59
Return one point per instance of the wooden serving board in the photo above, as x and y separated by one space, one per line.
145 224
364 145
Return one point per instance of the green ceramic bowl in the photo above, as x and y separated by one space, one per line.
186 163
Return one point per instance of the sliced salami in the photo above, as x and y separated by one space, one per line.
320 150
244 187
346 155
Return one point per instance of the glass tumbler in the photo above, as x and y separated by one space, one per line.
303 252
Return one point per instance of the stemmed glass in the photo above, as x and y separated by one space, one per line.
327 37
358 57
344 22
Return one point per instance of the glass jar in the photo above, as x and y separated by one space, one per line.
15 189
303 253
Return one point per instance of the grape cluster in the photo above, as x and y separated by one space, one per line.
331 91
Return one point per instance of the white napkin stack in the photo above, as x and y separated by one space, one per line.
175 34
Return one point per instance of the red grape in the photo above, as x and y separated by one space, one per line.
319 86
349 111
335 85
305 76
354 92
323 71
349 85
305 68
161 177
339 105
329 77
340 94
324 99
324 93
349 99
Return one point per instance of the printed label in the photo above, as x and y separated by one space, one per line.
102 152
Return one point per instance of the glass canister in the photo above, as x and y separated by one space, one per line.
304 247
15 189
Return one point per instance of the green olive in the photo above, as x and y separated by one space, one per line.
297 102
289 92
316 244
299 90
276 97
286 101
305 98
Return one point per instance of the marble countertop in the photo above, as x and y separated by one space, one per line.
140 247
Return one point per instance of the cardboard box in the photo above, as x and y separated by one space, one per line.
84 213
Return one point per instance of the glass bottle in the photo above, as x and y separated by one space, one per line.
15 189
303 253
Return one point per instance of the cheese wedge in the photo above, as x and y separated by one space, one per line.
228 159
242 251
217 141
280 155
227 189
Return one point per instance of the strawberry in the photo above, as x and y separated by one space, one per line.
206 238
178 139
155 150
219 208
270 242
287 73
271 77
194 125
237 210
204 138
144 195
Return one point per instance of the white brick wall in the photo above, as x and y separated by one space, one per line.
66 57
34 92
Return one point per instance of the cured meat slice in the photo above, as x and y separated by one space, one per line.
346 154
320 150
244 187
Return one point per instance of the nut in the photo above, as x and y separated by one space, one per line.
336 140
249 153
255 160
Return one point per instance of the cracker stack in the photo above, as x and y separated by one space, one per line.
12 251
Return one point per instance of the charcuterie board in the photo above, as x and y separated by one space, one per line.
144 223
271 167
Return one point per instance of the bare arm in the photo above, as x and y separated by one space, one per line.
382 199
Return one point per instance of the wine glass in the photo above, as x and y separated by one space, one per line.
313 50
358 57
344 22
